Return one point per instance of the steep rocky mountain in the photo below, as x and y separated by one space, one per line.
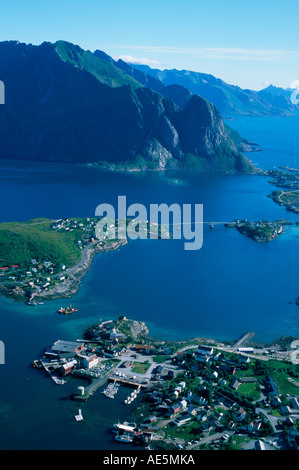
231 100
65 104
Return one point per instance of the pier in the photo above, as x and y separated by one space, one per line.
244 339
129 382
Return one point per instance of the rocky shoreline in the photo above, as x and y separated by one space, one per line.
70 286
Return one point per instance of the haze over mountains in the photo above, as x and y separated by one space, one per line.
231 100
65 104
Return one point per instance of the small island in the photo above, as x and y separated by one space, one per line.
261 230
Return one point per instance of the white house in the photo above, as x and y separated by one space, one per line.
90 361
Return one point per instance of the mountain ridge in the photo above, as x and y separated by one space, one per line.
66 104
231 100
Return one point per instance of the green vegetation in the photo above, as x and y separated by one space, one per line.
141 367
104 71
250 390
34 239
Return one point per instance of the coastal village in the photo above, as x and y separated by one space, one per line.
195 394
39 279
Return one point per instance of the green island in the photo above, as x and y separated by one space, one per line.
43 259
261 230
192 394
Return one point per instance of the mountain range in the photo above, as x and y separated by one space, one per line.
65 104
231 100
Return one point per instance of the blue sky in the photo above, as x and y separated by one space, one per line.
249 43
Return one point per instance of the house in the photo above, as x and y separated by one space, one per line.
205 351
244 359
90 361
192 410
295 404
292 436
259 445
214 375
235 384
143 348
289 421
200 358
276 401
285 410
240 415
229 369
174 409
66 368
183 405
253 427
116 335
199 400
271 387
182 419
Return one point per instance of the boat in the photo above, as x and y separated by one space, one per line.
111 390
212 226
124 427
124 438
79 416
67 310
37 364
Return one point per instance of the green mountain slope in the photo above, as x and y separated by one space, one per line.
65 104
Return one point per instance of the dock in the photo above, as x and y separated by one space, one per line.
129 382
244 339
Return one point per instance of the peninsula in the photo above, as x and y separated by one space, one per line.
43 259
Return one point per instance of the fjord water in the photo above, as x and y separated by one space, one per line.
230 286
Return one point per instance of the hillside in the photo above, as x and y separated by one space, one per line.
65 104
22 242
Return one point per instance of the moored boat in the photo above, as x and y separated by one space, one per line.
124 438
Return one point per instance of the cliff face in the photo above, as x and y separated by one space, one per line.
65 104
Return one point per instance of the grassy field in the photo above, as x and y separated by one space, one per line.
250 390
141 367
278 370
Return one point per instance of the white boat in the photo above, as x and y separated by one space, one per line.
79 416
124 438
125 427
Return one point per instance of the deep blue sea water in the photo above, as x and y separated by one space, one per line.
230 286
